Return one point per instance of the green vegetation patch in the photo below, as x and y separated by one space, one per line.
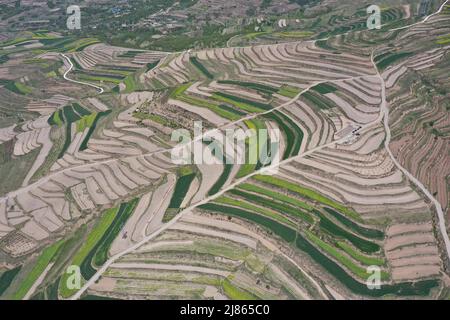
358 256
308 194
385 60
419 288
275 195
235 293
324 88
288 91
242 103
41 264
294 135
284 232
84 144
90 243
181 189
86 122
278 207
319 101
362 244
7 278
178 94
359 271
16 87
247 206
222 179
366 232
262 88
102 248
201 67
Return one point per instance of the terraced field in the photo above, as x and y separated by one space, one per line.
362 180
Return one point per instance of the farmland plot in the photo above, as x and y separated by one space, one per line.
339 203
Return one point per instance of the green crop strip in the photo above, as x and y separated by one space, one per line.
332 251
332 228
201 67
181 189
294 135
286 233
278 207
84 144
324 88
254 209
265 89
102 248
242 103
365 232
319 101
308 194
421 288
235 293
358 256
98 243
384 61
86 122
222 179
15 86
249 167
275 195
7 278
288 91
179 94
41 264
90 243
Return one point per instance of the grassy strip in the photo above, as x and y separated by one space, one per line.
320 102
355 254
307 193
294 135
201 67
15 86
93 238
275 195
86 122
288 91
102 248
386 61
181 189
227 113
332 228
84 144
56 118
151 65
222 179
130 84
242 103
286 233
70 115
156 118
247 206
365 232
41 264
324 88
248 167
355 269
265 89
7 278
235 293
99 78
80 110
279 207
